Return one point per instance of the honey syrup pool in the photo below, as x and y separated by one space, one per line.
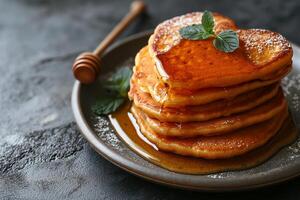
128 131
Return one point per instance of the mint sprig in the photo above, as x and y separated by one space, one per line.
226 41
195 32
208 22
114 92
107 105
119 82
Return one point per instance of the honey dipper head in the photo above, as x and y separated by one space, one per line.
86 67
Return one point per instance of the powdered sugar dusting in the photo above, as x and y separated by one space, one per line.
105 133
295 150
291 86
217 175
167 33
261 46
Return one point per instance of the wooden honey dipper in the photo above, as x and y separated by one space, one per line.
86 67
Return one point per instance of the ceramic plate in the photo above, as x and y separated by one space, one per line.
99 133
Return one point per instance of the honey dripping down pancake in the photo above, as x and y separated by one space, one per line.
191 101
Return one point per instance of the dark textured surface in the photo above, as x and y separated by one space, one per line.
42 155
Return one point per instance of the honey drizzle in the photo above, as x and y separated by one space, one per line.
128 131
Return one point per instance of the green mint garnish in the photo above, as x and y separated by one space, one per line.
116 88
120 81
194 32
226 41
107 105
208 22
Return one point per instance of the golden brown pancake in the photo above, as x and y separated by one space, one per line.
216 109
220 125
215 147
192 99
148 81
197 64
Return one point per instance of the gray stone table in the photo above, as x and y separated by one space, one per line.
42 154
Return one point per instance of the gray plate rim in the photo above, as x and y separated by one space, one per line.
203 184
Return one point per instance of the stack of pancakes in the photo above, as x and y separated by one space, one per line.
191 99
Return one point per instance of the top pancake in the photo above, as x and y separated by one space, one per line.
198 64
147 80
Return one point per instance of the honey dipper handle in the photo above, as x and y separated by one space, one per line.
86 66
137 7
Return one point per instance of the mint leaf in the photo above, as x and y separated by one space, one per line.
194 32
208 22
226 41
117 87
107 105
120 81
199 31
